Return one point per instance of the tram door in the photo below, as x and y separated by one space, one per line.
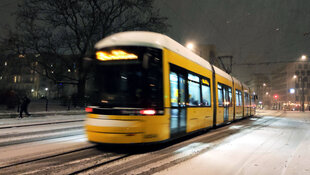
246 104
178 104
226 103
225 99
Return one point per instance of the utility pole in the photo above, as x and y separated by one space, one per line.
302 94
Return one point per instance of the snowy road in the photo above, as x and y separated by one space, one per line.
274 142
279 146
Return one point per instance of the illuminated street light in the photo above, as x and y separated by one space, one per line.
267 93
295 76
292 91
46 89
264 84
190 46
303 57
32 90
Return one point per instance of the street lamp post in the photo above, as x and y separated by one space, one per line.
46 99
302 94
303 78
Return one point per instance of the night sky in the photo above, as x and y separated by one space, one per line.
253 31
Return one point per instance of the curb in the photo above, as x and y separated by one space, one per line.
41 114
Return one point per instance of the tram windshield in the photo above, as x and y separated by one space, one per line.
132 80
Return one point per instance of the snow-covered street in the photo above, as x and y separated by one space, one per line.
279 146
273 142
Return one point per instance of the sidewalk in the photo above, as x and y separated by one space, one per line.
38 109
14 114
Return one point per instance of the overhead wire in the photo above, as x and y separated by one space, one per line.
271 62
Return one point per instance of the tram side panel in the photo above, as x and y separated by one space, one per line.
239 105
253 105
247 108
224 98
238 101
197 117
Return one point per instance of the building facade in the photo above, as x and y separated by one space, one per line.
298 85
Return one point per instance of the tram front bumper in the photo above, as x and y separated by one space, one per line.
114 131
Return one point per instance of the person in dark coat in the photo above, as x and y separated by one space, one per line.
24 107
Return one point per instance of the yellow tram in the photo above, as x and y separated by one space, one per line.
149 88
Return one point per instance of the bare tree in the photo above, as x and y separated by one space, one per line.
58 34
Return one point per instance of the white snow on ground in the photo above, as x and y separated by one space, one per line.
34 120
279 147
32 150
38 128
36 150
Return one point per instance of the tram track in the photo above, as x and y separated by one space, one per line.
38 124
39 132
21 162
41 137
91 160
167 157
70 162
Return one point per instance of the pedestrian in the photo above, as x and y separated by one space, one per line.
24 107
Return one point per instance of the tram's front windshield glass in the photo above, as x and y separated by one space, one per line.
132 83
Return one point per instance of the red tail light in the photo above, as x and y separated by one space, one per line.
148 112
89 109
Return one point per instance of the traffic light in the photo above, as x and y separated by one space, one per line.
276 96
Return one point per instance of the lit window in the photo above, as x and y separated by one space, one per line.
220 95
174 89
194 90
206 92
206 95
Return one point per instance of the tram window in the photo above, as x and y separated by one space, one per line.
206 95
237 98
193 78
220 94
246 99
240 98
229 96
194 90
174 89
182 86
252 101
